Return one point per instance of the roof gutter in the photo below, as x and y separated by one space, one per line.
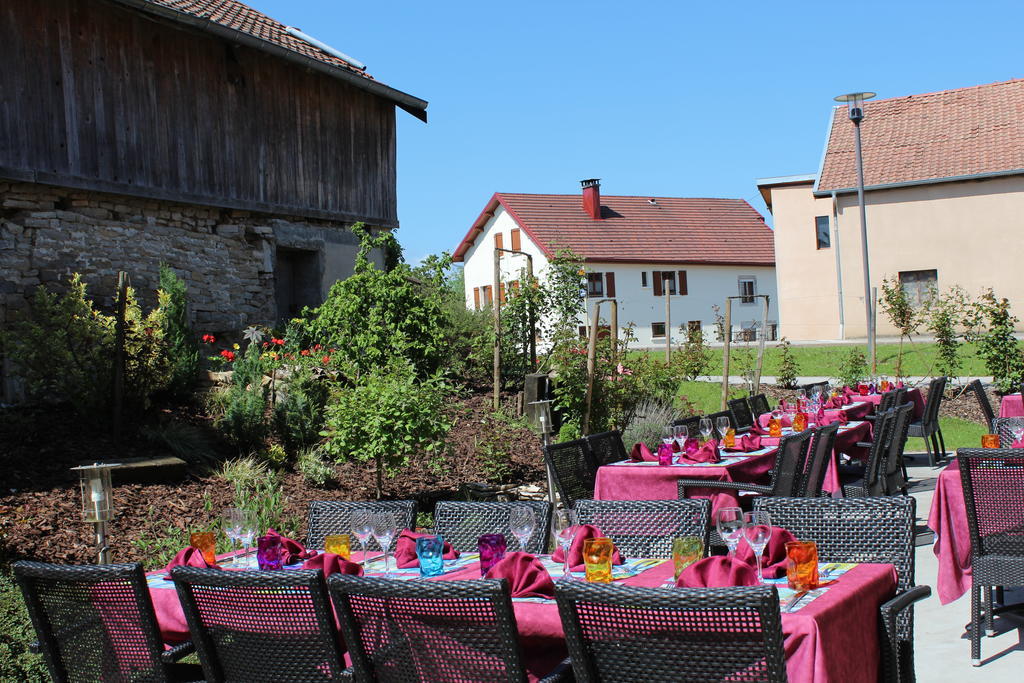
405 101
927 181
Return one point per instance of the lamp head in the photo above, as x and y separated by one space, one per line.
855 104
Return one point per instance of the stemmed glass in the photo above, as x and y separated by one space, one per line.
232 520
383 527
522 521
1018 433
246 533
361 528
729 523
668 434
705 428
563 526
757 529
722 423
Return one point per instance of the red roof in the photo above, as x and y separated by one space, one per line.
925 138
638 229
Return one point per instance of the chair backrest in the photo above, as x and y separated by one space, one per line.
607 447
692 424
888 401
787 473
260 626
891 472
462 523
630 633
874 481
645 528
1004 426
93 622
722 413
742 413
759 404
936 389
573 467
993 483
428 630
326 517
817 462
979 393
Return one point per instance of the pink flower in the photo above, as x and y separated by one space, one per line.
623 371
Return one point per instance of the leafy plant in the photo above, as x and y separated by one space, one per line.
652 415
943 315
901 313
495 447
275 455
258 491
853 368
182 347
313 469
694 358
997 345
17 663
299 414
788 368
243 422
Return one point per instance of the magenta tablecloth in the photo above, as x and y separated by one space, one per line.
854 411
913 395
948 519
1011 406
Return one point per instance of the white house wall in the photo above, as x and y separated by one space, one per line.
478 270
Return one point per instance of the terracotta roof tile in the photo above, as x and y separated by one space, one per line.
963 132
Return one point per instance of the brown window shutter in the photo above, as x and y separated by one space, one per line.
681 285
656 275
501 292
476 298
516 242
499 240
515 286
609 285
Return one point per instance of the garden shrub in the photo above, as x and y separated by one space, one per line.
495 447
943 315
788 368
257 490
313 469
17 663
180 341
243 421
651 418
854 368
901 313
693 358
299 412
275 455
997 345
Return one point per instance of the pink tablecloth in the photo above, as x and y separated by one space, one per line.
948 519
913 395
1011 406
854 411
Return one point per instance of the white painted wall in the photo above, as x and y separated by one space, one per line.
706 286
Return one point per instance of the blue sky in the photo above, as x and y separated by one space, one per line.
655 98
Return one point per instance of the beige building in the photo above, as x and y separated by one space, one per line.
944 196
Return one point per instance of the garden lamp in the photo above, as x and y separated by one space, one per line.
97 504
543 413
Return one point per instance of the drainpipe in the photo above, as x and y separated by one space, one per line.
839 266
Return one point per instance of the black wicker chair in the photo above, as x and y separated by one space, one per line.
759 404
692 424
607 447
462 524
820 456
979 393
722 413
1004 426
927 427
96 622
645 528
412 631
742 414
326 517
574 469
888 402
993 483
629 633
879 530
272 627
859 482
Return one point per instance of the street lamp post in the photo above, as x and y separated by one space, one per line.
855 106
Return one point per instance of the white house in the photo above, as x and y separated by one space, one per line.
634 249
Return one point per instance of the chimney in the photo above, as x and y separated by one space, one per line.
592 197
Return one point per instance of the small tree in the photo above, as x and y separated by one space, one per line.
901 313
694 357
944 313
854 367
993 330
788 368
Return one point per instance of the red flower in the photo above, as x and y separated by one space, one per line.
279 342
228 355
209 339
289 356
326 360
317 347
274 356
304 352
266 344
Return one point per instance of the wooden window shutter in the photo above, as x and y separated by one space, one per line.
516 241
515 286
609 285
681 285
501 292
476 298
656 275
499 240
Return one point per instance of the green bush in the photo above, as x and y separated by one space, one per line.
693 358
495 447
182 347
853 368
997 344
16 634
788 368
313 469
258 491
385 416
299 413
243 421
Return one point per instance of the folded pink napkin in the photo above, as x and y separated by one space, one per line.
757 430
293 550
899 385
721 571
1017 444
691 445
783 405
819 416
405 549
839 417
773 559
676 447
706 453
641 453
188 557
333 564
746 444
583 532
526 577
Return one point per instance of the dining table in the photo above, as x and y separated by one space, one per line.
913 395
952 546
829 634
1011 405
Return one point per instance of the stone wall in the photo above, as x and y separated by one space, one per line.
226 257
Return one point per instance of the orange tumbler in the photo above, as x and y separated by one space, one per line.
203 541
774 427
990 441
802 565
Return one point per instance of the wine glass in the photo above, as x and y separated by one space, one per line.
522 521
563 527
668 434
729 523
679 433
383 528
722 423
361 528
231 521
757 529
1018 433
246 533
705 428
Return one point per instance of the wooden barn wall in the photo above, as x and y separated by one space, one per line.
96 96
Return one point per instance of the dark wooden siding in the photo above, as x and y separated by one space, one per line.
98 96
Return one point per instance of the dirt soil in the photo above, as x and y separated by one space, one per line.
40 516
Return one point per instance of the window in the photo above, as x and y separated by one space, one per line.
694 326
748 288
583 331
664 279
643 279
821 230
918 285
595 284
658 330
517 244
476 298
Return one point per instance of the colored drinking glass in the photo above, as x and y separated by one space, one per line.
730 438
990 441
800 422
665 454
802 565
430 552
862 389
774 427
269 555
685 551
339 544
492 548
597 559
204 542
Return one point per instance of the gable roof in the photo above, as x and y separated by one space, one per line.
936 137
635 230
240 23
